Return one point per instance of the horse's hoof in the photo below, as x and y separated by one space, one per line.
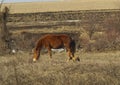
69 59
76 59
73 58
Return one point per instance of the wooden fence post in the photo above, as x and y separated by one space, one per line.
4 33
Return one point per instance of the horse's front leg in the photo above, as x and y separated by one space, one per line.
50 53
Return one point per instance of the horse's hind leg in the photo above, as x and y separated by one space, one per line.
75 58
69 55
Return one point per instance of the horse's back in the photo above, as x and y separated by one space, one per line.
56 36
56 40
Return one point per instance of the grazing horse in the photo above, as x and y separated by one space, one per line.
55 41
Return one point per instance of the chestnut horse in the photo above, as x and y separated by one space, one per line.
55 41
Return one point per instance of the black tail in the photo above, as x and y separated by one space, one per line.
73 46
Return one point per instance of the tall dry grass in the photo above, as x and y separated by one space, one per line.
93 69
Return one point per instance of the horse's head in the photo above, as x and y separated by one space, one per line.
34 59
37 49
35 56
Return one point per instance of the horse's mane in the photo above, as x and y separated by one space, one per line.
39 43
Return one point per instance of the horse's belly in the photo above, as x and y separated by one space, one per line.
57 45
58 50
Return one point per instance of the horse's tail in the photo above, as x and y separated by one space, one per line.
73 45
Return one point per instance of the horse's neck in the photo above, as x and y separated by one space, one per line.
39 45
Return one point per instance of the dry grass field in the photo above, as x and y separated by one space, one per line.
99 39
93 69
63 6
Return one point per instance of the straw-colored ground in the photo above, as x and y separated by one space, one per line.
93 69
63 6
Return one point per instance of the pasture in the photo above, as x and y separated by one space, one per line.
96 33
93 69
